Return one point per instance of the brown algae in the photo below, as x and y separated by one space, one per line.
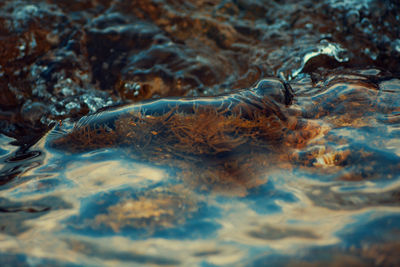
199 126
210 138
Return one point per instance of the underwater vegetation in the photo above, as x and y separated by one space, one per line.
208 125
215 134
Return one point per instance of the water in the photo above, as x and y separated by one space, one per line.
278 143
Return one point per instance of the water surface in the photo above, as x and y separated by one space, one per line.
242 133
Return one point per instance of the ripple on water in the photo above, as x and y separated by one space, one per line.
239 169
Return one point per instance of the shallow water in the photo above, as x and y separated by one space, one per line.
300 169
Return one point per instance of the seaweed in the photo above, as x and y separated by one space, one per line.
198 126
221 142
86 138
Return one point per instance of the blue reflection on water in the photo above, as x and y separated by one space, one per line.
262 199
9 259
368 229
381 233
198 224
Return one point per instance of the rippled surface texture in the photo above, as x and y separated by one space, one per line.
199 133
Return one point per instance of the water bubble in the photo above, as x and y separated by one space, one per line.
132 88
94 103
66 91
72 105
